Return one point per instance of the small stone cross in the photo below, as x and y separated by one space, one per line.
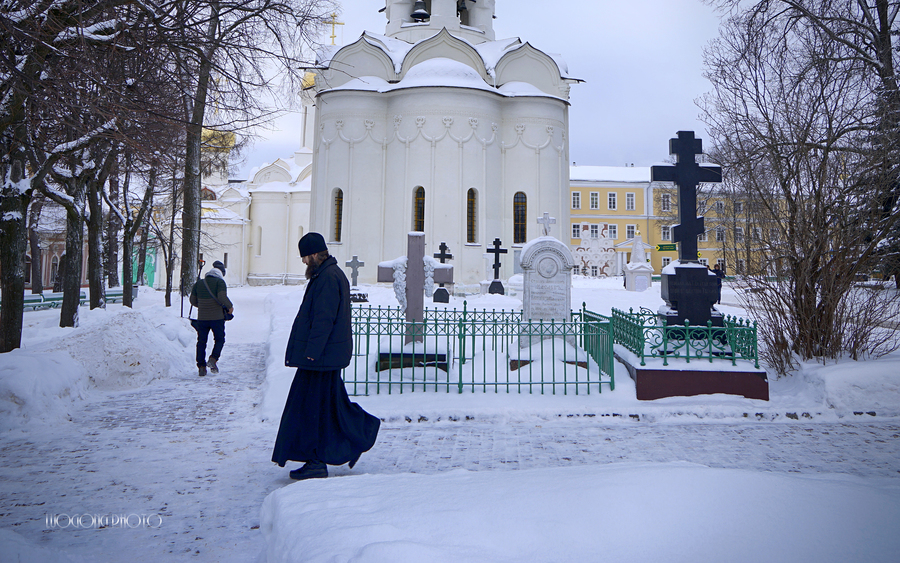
546 221
354 266
687 175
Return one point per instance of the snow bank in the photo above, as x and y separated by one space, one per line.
622 512
856 386
122 349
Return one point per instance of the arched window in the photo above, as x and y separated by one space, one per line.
471 214
520 212
207 194
338 213
419 209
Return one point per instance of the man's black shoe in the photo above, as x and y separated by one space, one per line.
310 470
211 363
353 461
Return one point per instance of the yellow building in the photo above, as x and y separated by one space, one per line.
618 202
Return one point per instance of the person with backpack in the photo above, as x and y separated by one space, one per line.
210 296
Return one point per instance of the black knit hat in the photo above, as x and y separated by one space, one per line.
311 243
220 266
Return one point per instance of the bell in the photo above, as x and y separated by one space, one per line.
419 13
461 7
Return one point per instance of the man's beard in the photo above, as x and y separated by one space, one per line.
313 264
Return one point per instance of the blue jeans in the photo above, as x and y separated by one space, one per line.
203 327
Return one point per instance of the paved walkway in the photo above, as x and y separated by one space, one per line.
187 449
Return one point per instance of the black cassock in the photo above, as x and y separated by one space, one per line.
320 423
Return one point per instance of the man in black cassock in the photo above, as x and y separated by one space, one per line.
320 426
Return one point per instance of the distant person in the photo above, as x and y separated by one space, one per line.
720 275
210 297
320 426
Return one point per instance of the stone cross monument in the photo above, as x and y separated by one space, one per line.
356 296
690 292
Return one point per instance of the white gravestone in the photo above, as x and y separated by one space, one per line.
638 272
547 270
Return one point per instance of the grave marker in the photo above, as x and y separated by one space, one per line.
497 285
441 295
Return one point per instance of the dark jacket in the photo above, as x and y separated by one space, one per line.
207 308
322 329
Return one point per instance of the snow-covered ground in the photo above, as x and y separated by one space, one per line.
110 422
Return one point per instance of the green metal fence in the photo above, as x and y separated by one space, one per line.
646 336
462 350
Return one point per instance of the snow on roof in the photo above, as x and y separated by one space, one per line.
609 173
443 72
303 185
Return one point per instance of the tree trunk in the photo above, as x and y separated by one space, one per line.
113 225
190 217
34 243
71 276
142 248
13 206
95 245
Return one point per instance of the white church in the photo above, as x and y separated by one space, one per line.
435 126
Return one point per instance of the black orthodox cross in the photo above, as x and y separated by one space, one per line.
443 255
354 266
497 251
687 175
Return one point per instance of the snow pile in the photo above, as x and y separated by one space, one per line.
38 386
122 350
851 386
134 351
626 512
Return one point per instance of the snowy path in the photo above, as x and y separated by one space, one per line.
189 449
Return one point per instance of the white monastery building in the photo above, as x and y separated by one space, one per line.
435 126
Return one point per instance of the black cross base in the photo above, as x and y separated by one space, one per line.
441 295
497 287
690 295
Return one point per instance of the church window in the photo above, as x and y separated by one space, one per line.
463 11
613 231
595 200
575 270
595 231
594 271
207 194
611 201
629 231
576 200
338 214
629 202
419 209
520 212
576 230
665 232
666 202
471 214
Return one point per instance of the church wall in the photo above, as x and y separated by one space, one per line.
445 141
276 218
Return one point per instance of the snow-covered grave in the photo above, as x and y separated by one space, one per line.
110 418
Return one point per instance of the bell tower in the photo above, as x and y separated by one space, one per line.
414 20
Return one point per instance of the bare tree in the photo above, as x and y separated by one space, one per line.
800 114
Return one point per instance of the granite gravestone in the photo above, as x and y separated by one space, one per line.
688 288
411 283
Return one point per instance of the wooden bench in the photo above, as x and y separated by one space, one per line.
55 299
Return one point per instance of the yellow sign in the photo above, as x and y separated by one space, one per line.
699 255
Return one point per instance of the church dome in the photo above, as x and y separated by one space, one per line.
443 72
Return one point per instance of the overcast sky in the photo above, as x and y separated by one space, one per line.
641 62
